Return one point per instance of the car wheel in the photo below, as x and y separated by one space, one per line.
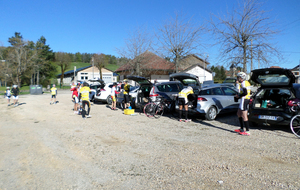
109 100
211 113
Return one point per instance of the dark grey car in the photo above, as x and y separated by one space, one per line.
269 105
148 91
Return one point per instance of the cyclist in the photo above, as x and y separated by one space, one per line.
8 95
84 94
243 87
126 94
15 92
53 91
183 101
113 96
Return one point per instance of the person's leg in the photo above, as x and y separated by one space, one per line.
186 109
84 105
180 112
245 118
241 121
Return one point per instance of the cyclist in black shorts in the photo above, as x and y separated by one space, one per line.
183 101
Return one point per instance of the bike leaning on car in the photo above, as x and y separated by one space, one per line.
157 108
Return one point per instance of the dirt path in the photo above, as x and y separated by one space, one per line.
46 146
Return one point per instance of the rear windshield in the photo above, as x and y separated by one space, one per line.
273 79
189 82
170 87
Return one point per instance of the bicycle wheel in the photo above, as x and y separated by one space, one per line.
150 109
295 125
159 111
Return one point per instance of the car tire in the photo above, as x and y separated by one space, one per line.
211 113
109 100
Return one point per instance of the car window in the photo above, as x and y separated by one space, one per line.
145 88
217 91
228 91
169 88
205 92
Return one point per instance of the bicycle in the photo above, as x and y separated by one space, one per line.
157 108
295 121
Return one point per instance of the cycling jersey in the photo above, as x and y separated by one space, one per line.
183 94
53 91
126 89
85 93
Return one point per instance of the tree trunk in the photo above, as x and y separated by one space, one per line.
100 72
38 77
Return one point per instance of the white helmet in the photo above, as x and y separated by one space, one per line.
190 88
242 75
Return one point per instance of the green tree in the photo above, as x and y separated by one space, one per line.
78 57
100 61
20 55
63 60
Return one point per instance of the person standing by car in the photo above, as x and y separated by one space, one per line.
243 87
75 99
15 94
183 101
84 94
53 92
7 93
126 94
113 96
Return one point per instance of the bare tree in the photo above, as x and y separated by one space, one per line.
20 55
100 61
245 35
139 42
63 60
179 37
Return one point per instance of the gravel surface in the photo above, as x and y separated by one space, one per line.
46 146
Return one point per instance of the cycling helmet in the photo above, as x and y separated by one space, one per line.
190 88
242 75
85 84
125 80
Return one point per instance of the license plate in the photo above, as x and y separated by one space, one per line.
267 117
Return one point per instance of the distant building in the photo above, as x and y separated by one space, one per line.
87 73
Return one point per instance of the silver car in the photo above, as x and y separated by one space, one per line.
214 99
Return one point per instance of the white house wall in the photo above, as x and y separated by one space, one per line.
160 78
201 73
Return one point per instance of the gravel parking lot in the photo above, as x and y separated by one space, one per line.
46 146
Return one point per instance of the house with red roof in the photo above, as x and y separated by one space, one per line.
148 65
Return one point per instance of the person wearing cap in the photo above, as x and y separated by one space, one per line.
113 96
53 92
84 95
7 93
183 102
15 94
126 94
244 95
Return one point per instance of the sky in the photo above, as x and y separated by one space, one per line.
98 26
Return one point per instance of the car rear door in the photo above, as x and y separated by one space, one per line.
229 94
